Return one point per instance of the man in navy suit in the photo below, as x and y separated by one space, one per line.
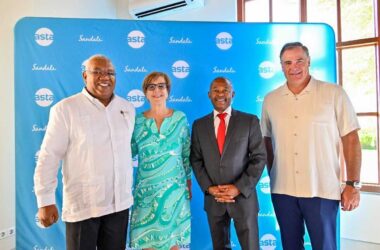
228 157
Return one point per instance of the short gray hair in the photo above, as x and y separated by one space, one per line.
293 45
96 56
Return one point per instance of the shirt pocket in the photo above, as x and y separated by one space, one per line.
74 200
323 113
94 192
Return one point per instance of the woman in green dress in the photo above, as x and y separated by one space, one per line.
161 211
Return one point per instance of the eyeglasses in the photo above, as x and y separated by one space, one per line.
152 86
99 73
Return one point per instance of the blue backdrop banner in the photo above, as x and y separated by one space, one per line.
48 57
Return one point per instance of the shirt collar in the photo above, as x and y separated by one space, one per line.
310 87
94 99
228 111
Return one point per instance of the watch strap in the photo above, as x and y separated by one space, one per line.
354 184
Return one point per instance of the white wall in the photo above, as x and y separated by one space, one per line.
214 10
10 13
363 224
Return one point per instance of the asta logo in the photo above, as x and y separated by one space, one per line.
136 39
264 185
180 69
224 40
180 40
44 37
259 98
268 242
180 99
94 39
267 69
136 69
44 67
136 97
224 70
44 97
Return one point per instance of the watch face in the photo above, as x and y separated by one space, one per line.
355 184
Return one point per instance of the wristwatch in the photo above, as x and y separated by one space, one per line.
354 184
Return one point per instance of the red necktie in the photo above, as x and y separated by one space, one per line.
221 136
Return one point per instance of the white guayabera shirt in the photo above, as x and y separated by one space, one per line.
94 143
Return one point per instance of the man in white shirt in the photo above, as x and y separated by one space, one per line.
91 133
303 123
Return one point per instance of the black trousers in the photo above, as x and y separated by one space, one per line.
246 230
107 232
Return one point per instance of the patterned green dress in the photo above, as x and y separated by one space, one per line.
161 210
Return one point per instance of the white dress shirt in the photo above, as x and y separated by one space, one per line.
306 131
217 119
94 143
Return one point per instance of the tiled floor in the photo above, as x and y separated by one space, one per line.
347 244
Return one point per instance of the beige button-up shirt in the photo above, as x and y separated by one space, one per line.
306 130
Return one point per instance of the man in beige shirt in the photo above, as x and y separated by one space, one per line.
303 123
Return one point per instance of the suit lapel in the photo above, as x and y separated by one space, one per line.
231 128
211 133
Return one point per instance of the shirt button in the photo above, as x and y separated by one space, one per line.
297 172
296 116
295 153
295 134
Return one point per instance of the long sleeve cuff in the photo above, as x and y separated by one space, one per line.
45 200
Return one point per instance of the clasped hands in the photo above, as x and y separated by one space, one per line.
224 193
